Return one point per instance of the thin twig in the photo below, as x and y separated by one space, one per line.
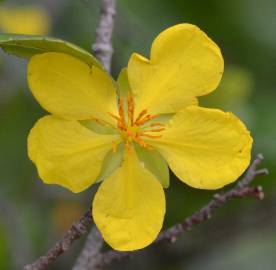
100 260
90 251
102 47
241 190
76 231
103 50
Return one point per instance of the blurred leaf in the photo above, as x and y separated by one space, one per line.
155 163
28 45
4 253
235 89
24 20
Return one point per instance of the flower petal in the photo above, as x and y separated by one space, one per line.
69 88
66 153
129 206
184 64
205 148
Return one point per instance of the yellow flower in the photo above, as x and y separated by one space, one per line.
205 148
24 20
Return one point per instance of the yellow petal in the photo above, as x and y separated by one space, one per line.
184 64
24 20
129 206
66 153
69 88
205 148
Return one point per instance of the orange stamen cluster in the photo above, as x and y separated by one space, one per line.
134 129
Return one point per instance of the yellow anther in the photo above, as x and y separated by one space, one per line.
147 118
141 114
151 136
122 113
154 130
114 116
130 111
135 130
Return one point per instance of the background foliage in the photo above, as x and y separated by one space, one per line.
243 234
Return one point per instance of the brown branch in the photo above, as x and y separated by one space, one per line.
241 190
102 47
87 258
93 259
75 232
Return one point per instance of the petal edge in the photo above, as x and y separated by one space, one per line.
129 207
184 64
66 153
205 148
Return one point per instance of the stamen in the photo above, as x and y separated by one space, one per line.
143 120
153 130
153 116
141 114
122 113
133 131
151 136
122 126
121 123
130 104
157 124
114 116
147 118
142 143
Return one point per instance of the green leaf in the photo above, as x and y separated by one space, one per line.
111 162
155 163
28 45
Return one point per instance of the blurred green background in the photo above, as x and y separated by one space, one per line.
242 235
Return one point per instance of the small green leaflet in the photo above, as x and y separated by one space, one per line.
123 84
151 159
111 162
28 45
101 129
155 163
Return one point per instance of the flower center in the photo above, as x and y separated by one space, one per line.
135 130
